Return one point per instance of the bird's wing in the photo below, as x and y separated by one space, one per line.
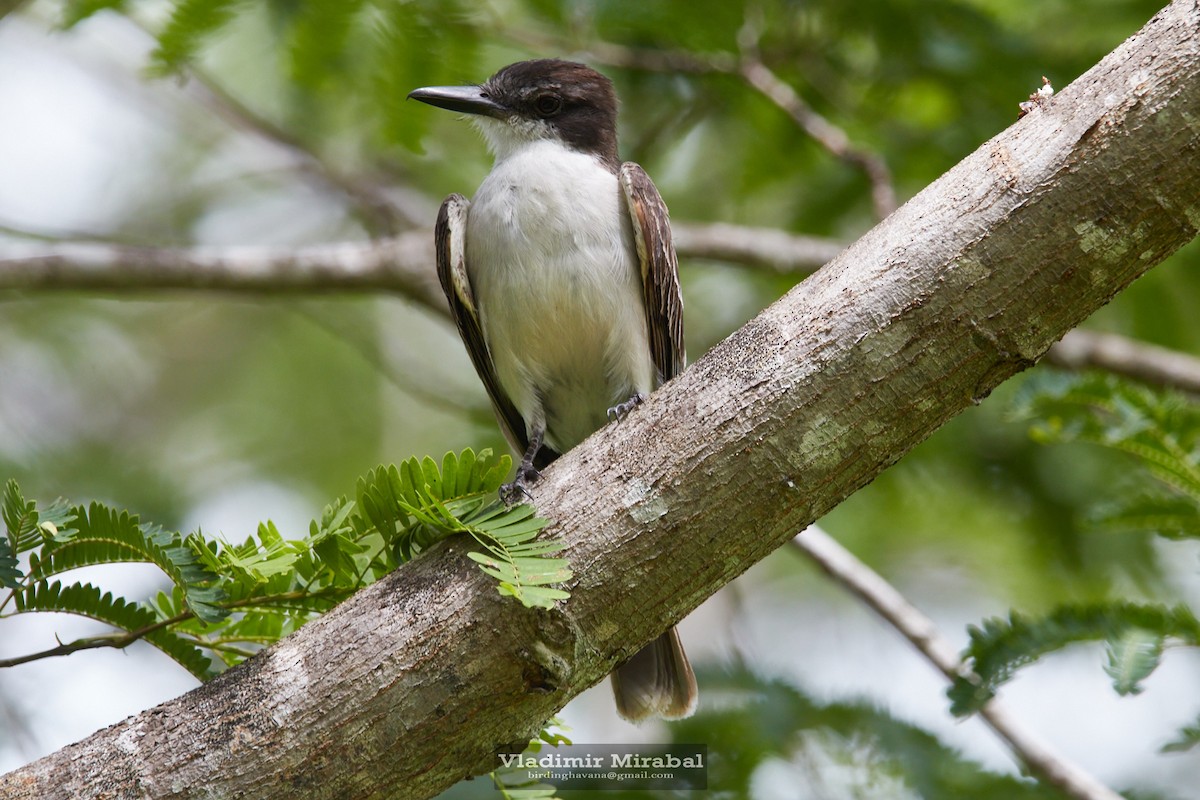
660 271
450 236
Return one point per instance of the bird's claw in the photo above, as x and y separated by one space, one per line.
518 490
621 410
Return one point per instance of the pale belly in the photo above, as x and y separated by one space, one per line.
560 301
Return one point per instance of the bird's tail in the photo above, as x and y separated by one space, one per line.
657 682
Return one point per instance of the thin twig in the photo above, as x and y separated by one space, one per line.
824 132
871 588
120 641
380 215
378 212
755 73
1118 354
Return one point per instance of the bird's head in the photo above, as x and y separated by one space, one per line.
534 100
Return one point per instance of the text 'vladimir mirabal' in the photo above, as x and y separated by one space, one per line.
605 761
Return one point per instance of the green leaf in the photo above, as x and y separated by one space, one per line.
319 40
77 11
495 470
190 23
432 478
449 479
1161 429
1154 510
1188 738
1000 647
86 600
337 552
520 564
257 562
106 536
20 518
466 474
1132 656
420 43
11 575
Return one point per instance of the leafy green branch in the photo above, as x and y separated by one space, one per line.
227 601
1136 635
1161 432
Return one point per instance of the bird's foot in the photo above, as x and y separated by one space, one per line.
621 410
518 490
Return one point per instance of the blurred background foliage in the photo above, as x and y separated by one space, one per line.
213 122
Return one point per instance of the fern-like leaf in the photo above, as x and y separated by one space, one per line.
86 600
418 503
1000 647
514 783
190 23
1162 429
104 535
1187 739
20 518
1153 510
513 557
26 527
1132 656
11 575
318 40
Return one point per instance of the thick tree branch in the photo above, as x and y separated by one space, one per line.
415 682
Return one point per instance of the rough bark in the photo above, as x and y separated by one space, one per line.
413 683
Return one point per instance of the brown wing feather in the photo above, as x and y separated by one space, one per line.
450 239
660 270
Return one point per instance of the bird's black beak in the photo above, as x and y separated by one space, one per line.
466 99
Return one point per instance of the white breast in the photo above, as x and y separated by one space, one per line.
552 264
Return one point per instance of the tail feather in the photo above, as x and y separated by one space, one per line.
657 682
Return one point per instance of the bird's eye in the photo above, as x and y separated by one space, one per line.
547 105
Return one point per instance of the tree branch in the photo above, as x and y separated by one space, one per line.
119 641
380 215
416 681
767 248
400 264
749 67
404 265
1159 366
866 584
823 132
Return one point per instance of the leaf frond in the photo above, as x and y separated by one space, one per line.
999 647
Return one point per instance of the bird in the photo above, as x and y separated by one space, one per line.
564 286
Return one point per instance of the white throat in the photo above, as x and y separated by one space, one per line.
506 137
